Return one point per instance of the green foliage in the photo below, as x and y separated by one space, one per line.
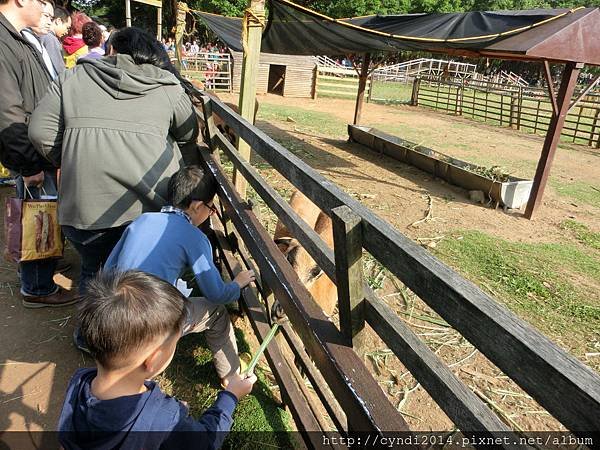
233 8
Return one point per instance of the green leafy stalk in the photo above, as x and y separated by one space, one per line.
262 348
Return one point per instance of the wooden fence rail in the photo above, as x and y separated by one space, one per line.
518 107
568 389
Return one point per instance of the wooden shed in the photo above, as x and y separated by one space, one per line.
286 75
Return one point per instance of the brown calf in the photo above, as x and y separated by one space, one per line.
312 276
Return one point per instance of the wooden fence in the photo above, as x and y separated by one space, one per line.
213 69
338 82
518 107
568 389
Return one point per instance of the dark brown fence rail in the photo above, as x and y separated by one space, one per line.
568 389
518 107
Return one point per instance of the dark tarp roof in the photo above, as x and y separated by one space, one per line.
295 30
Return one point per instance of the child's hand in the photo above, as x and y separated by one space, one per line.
244 278
240 387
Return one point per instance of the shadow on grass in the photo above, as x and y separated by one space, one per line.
258 418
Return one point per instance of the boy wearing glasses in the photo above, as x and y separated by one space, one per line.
168 242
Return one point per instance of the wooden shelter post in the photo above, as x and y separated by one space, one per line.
159 23
254 19
565 92
127 13
182 9
362 84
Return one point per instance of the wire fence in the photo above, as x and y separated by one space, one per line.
522 108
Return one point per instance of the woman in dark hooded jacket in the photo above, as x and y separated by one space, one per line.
114 126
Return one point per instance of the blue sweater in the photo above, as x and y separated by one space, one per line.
89 423
166 243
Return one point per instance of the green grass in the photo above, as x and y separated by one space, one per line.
304 119
191 377
536 281
578 191
582 233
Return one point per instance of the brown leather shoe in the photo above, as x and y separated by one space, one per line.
59 298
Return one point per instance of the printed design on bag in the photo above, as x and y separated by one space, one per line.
44 232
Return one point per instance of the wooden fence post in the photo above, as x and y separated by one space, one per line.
315 83
414 101
594 128
519 107
347 237
254 19
511 117
210 128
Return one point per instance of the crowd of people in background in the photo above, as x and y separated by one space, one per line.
101 120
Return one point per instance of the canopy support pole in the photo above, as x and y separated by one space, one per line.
362 84
253 23
565 92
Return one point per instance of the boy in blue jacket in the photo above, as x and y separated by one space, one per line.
131 322
167 243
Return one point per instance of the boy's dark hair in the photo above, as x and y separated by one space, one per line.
61 13
189 184
139 44
91 34
123 311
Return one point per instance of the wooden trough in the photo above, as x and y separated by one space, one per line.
512 193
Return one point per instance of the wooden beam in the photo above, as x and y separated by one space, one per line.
567 87
461 405
253 24
551 94
362 83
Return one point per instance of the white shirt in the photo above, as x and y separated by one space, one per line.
31 37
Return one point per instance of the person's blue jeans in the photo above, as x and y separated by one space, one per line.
37 276
94 247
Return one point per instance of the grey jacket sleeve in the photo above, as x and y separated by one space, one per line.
52 44
46 126
184 124
16 152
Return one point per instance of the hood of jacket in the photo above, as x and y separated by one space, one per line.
120 77
100 424
71 44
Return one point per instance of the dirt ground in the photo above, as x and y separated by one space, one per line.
37 356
